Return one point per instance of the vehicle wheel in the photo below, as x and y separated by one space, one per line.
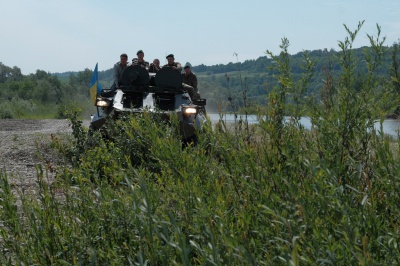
91 138
191 141
91 131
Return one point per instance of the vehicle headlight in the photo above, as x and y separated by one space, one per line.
189 110
102 103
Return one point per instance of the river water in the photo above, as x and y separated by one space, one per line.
389 126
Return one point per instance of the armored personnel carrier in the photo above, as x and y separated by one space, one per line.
161 92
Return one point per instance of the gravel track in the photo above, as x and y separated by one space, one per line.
26 143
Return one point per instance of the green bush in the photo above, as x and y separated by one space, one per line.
5 112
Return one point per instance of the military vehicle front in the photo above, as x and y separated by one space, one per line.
162 93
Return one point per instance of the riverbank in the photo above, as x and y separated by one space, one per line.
389 126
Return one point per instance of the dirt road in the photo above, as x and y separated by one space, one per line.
20 141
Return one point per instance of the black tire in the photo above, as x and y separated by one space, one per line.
91 140
190 141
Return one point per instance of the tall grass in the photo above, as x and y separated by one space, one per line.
285 196
18 108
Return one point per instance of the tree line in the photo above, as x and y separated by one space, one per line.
256 78
228 87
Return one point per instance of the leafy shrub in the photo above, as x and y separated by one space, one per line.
5 112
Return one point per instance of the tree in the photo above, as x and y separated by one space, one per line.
85 76
394 70
40 74
16 74
5 73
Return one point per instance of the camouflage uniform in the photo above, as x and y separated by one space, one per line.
190 79
192 91
175 64
153 68
144 63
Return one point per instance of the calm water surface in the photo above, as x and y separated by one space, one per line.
389 126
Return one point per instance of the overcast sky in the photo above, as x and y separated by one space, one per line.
71 35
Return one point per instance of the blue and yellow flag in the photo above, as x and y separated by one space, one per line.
95 87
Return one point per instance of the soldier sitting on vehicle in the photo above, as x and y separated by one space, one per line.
119 67
140 60
190 79
172 63
175 65
155 66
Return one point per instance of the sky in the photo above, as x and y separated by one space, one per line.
72 35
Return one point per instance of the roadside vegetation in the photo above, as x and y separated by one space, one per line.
267 194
